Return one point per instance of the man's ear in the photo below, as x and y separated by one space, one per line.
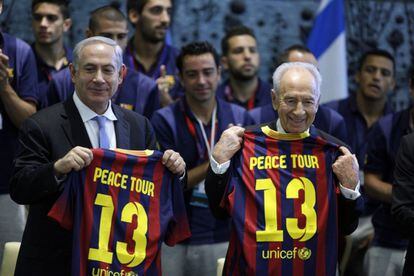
67 23
133 16
72 72
225 62
88 33
275 99
122 73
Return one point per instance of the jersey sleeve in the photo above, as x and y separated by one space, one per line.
178 229
26 76
62 210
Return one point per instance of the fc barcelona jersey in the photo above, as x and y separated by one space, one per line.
282 197
121 208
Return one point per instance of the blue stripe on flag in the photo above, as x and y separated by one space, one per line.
329 24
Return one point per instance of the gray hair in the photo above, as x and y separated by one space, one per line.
96 40
282 69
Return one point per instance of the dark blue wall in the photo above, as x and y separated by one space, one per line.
277 23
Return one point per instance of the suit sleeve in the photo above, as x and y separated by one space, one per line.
215 186
403 190
348 214
32 177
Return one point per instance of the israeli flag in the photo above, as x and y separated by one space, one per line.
327 42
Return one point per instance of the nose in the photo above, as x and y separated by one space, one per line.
377 75
247 54
44 22
299 109
98 77
165 17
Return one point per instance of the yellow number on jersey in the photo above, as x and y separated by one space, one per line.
102 253
272 233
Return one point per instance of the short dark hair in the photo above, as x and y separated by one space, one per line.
234 31
137 5
376 52
110 12
63 6
196 48
284 56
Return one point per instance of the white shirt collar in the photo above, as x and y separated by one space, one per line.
88 114
280 129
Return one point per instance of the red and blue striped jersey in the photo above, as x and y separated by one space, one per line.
282 197
121 208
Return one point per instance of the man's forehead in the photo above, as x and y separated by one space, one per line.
241 40
297 78
204 60
104 25
153 3
379 61
47 8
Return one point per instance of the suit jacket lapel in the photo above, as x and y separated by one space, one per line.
121 129
73 126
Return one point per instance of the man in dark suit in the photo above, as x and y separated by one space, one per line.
56 141
403 197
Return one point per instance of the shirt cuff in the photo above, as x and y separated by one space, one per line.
349 193
219 168
182 177
60 179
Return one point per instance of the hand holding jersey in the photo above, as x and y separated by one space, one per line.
229 143
346 169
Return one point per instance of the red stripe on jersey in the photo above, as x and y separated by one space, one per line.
87 214
298 264
154 215
275 265
114 193
323 207
250 210
137 172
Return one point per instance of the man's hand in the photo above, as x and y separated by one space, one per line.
164 84
346 169
76 159
229 143
174 162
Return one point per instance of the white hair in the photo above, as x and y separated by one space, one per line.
282 69
96 40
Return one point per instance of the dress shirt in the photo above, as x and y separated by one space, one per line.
92 127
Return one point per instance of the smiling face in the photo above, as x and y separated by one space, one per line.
97 77
296 102
200 77
376 77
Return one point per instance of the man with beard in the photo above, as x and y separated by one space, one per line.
241 59
50 21
361 110
147 52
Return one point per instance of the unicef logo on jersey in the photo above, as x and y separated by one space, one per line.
301 253
304 253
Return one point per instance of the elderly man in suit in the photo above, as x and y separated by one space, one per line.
56 141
